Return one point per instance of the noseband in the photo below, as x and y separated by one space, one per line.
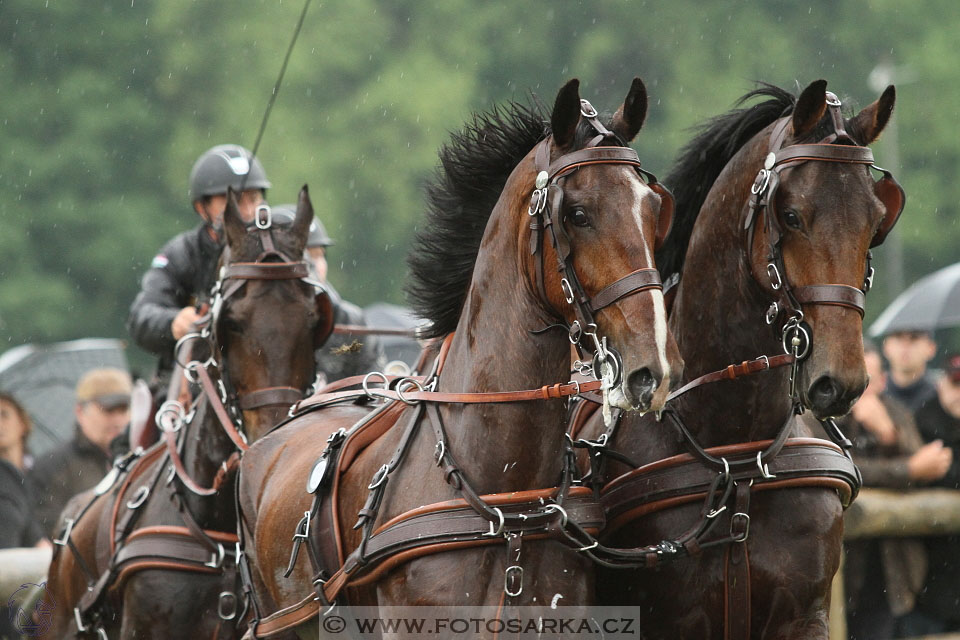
838 147
545 212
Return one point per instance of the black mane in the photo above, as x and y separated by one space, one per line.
704 157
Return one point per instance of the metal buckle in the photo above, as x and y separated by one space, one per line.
563 512
764 469
772 312
139 497
494 533
761 182
305 523
234 601
567 290
745 518
596 543
586 109
575 333
66 532
378 478
266 220
176 412
216 558
832 99
439 450
773 272
513 571
367 377
868 281
406 383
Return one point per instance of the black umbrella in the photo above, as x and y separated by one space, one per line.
932 302
42 378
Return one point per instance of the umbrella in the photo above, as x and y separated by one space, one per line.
42 378
931 303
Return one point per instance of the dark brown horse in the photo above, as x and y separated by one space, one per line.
752 260
166 543
477 269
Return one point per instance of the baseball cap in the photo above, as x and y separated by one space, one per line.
108 387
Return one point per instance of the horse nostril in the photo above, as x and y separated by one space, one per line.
641 384
824 392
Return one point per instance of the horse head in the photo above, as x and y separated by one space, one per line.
268 316
604 222
819 210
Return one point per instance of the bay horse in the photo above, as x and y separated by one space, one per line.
152 553
773 199
483 275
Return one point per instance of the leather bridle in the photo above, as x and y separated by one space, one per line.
545 210
227 404
785 312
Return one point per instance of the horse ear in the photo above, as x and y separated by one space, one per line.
232 222
810 107
566 114
301 223
630 116
871 121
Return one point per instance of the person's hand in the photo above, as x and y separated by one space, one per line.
870 412
930 462
183 322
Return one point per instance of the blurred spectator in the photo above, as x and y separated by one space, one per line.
102 412
343 355
883 576
18 524
938 606
908 353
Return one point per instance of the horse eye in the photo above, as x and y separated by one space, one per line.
792 220
579 218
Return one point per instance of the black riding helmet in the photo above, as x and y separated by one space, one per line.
283 214
223 166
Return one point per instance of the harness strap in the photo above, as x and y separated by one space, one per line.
219 410
734 371
639 280
842 295
559 390
269 397
431 529
736 570
265 271
683 478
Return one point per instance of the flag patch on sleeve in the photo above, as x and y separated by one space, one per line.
159 261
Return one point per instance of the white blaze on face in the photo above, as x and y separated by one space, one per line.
641 192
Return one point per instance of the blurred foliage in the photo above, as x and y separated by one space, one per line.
107 104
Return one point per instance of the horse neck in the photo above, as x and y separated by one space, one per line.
508 446
205 450
718 317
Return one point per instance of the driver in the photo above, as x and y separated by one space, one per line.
183 271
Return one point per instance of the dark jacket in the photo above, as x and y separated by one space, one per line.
18 523
181 274
915 395
184 272
60 474
900 564
941 596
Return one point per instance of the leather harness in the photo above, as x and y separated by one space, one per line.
724 477
127 550
471 520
